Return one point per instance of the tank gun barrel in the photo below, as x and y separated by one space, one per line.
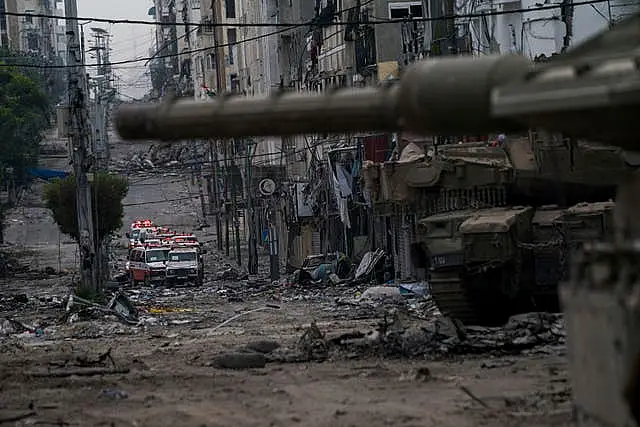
285 114
592 92
441 96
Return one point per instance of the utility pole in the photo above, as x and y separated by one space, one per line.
79 134
214 201
199 178
252 266
234 208
227 192
216 12
102 91
274 253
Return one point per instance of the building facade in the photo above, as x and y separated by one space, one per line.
543 33
9 26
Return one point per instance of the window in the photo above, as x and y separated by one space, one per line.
136 256
158 255
230 8
28 19
405 10
231 39
182 256
32 41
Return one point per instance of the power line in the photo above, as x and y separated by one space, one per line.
186 165
187 52
312 22
291 26
171 24
162 201
172 55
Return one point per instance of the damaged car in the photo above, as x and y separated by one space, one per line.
319 268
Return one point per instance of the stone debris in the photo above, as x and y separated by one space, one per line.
240 361
400 335
165 156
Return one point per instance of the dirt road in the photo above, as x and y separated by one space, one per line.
166 370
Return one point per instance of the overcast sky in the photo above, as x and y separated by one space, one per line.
127 42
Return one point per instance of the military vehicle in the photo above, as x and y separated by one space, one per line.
589 92
489 257
487 264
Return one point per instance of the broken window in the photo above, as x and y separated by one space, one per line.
230 8
231 40
406 10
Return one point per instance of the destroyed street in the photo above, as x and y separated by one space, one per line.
243 350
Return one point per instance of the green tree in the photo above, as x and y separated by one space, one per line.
24 114
107 191
25 111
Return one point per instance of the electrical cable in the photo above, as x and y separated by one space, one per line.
186 52
185 165
170 42
131 61
155 202
169 24
291 26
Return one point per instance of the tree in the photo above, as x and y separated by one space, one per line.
107 192
25 111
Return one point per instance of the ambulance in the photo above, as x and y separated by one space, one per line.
147 265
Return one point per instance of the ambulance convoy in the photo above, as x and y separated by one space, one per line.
158 255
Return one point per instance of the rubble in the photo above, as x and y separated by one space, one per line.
165 156
401 336
240 361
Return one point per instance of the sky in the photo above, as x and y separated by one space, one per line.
127 42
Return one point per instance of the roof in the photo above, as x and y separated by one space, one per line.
498 220
184 249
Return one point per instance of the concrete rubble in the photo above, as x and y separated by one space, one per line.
161 156
405 323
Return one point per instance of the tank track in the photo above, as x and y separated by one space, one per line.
447 290
453 298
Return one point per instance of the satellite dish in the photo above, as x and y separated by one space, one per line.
267 187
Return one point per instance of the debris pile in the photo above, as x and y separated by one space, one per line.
161 155
400 335
10 266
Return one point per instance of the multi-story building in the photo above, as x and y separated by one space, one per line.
38 35
165 67
9 25
542 33
60 30
189 43
228 13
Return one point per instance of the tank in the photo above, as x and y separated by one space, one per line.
498 231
